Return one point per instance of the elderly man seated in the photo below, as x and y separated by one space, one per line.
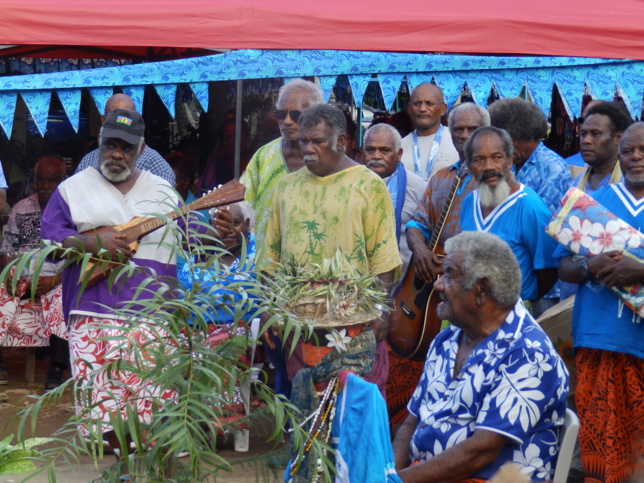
493 388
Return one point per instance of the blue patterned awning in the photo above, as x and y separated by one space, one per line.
603 78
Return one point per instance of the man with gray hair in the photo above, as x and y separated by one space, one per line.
382 151
493 387
149 160
107 195
463 120
514 212
267 167
280 157
335 203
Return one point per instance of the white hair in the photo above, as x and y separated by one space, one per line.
486 256
382 127
468 106
311 91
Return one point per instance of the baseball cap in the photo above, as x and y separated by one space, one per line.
124 124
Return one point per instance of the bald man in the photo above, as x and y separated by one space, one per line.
429 147
150 160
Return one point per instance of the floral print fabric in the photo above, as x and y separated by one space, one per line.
514 383
587 228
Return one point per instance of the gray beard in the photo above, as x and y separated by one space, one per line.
114 177
633 178
493 197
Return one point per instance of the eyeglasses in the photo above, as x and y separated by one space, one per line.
281 114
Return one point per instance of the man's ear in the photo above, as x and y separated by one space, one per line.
443 109
342 140
618 136
141 150
482 293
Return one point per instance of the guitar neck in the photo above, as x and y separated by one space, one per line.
231 192
148 225
447 206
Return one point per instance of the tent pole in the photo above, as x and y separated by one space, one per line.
238 121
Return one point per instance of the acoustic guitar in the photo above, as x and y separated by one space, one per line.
414 323
139 226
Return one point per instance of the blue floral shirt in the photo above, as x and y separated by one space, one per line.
514 383
546 173
220 292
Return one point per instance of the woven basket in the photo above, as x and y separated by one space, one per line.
314 311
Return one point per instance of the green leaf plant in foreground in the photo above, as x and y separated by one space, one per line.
15 459
176 358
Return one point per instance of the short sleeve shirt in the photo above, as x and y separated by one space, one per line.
520 221
313 216
514 383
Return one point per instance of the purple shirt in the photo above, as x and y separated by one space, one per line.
87 200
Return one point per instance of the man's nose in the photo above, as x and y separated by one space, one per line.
637 154
438 284
307 146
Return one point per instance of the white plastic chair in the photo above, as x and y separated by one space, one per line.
567 439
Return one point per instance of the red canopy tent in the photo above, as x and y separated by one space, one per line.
589 28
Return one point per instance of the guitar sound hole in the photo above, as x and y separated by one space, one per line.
418 283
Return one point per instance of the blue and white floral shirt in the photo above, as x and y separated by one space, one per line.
514 383
548 174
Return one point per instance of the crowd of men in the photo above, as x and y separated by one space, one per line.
493 388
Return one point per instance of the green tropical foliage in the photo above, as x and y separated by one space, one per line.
175 356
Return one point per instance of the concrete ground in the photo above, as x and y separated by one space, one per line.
14 396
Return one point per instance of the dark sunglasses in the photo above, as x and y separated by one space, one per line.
281 114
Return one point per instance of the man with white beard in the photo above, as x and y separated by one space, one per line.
503 206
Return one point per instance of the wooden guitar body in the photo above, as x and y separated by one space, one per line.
139 226
414 322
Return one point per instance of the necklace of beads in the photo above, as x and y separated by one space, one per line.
321 421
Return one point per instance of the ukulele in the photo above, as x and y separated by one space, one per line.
139 226
414 322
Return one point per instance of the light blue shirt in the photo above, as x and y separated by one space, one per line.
520 221
600 320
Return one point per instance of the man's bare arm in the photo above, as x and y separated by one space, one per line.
381 326
458 462
546 278
403 440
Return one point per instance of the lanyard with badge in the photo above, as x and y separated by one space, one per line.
432 153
